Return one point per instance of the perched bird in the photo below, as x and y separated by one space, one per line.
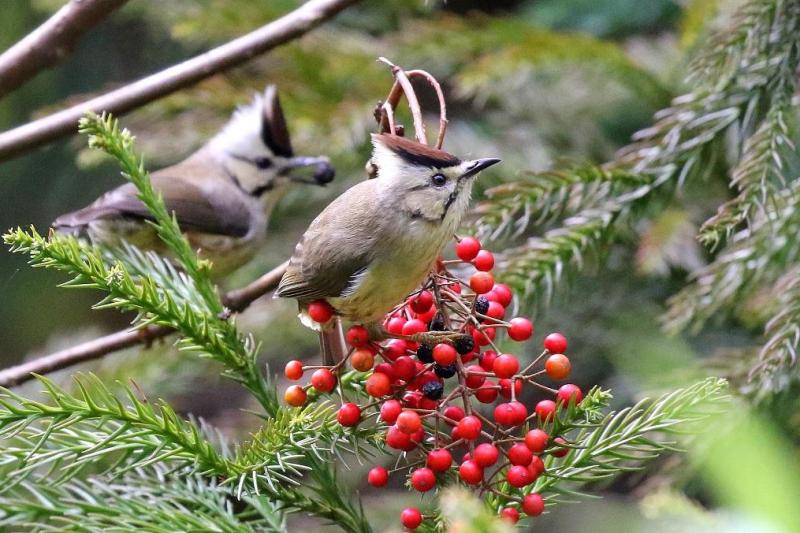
221 195
376 242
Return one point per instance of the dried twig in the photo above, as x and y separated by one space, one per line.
51 42
280 31
236 301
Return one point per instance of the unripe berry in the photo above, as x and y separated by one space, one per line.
293 370
555 343
518 476
295 396
558 366
357 336
521 329
469 427
362 360
486 454
467 248
378 476
378 384
390 410
439 460
570 393
545 410
320 311
422 302
323 380
408 422
349 415
444 354
519 454
510 515
470 472
533 504
484 261
505 366
423 479
411 518
481 282
536 440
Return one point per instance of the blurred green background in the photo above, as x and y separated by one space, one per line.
537 83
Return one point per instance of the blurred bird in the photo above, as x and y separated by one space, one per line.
376 242
221 195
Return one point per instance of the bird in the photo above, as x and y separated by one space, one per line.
221 195
376 242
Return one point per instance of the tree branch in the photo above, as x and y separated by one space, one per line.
51 42
236 301
291 26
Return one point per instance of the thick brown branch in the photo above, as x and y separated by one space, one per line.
51 42
236 300
63 123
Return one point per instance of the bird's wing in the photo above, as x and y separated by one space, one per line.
196 209
336 249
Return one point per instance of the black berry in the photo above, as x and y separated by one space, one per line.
445 371
482 304
425 353
433 390
464 344
437 324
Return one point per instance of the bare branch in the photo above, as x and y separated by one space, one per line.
51 42
236 301
290 26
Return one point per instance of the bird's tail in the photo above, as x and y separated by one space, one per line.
331 342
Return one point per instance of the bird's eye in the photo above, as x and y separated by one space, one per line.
263 162
438 180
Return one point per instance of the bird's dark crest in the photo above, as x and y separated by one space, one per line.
417 153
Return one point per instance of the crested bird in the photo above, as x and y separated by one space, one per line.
375 243
221 195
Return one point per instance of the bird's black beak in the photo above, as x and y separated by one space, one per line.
323 170
479 165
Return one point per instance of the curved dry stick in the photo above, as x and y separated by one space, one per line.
236 301
287 28
442 104
402 85
51 42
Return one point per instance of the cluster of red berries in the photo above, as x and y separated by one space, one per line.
428 380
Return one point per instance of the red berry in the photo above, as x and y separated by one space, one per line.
505 388
467 248
533 504
428 315
536 440
483 337
545 410
357 336
444 354
504 414
486 360
519 454
502 293
521 329
320 311
385 368
378 476
390 410
408 422
416 438
405 368
293 370
486 454
469 427
439 460
518 476
486 393
505 366
378 384
422 302
411 518
397 439
555 343
423 479
470 472
496 311
520 413
570 393
295 396
536 467
362 360
414 326
484 261
481 282
558 366
454 412
561 451
349 415
323 380
394 349
395 325
510 515
474 380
